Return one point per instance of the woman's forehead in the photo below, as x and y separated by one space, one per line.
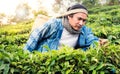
80 15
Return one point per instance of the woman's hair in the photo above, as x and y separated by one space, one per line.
77 6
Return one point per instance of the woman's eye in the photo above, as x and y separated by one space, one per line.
84 20
79 19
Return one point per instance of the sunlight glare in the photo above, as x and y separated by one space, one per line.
8 6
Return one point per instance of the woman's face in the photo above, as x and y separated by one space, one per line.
78 20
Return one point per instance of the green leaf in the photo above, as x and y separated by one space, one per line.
52 63
70 70
2 66
6 69
93 67
12 70
61 56
99 66
46 47
102 72
80 72
94 72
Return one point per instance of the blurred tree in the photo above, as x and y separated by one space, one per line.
39 5
40 9
2 15
90 3
57 5
22 11
43 12
114 2
60 6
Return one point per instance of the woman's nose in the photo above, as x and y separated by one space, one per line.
81 22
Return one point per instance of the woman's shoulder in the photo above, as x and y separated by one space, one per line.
55 20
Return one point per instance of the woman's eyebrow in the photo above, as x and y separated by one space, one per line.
79 18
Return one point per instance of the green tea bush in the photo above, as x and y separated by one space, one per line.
103 9
63 61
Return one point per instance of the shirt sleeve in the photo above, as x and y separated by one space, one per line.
35 36
90 38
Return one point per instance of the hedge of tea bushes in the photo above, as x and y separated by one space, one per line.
14 60
19 28
106 23
108 18
105 9
15 34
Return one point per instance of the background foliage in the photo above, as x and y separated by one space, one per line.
60 6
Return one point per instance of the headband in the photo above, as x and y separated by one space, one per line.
74 11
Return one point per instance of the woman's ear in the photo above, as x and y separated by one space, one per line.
69 17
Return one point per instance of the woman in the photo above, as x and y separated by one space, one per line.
68 29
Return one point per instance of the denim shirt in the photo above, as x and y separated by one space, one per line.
50 33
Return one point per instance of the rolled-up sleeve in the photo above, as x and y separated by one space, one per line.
90 38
